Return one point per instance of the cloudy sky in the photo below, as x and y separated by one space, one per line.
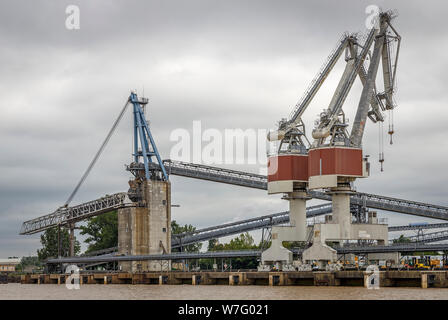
231 64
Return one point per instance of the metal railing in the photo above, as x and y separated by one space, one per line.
63 216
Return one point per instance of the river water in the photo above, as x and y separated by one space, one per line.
179 292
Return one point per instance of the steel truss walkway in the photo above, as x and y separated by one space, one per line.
430 237
418 227
64 216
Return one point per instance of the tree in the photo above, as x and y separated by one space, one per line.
242 242
212 243
102 231
178 229
294 244
31 262
402 239
49 241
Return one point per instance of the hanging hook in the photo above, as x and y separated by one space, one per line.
391 132
391 125
381 145
381 160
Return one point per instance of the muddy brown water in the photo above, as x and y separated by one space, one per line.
180 292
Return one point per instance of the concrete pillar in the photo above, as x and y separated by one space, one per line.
196 279
297 214
163 279
372 280
424 281
159 204
296 231
146 230
277 279
341 213
237 279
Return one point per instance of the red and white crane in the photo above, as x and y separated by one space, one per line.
335 158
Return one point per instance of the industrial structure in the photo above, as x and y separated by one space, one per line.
335 159
324 169
145 227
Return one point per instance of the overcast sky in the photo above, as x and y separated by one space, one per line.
231 64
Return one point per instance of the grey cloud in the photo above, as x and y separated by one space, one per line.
230 64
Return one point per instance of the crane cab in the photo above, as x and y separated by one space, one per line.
327 164
285 171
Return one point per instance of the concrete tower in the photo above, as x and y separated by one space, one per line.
146 230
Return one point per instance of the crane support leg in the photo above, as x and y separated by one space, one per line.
341 211
296 231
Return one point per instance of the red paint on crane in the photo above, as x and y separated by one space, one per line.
288 167
335 160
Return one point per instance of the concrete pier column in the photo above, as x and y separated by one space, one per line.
196 279
296 231
341 212
277 279
297 213
163 279
424 280
372 280
238 278
234 280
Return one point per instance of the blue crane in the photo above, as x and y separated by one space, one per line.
142 134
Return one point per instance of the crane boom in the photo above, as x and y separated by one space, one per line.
387 74
292 132
319 79
345 84
367 92
375 114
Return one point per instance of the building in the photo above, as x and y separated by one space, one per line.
9 265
